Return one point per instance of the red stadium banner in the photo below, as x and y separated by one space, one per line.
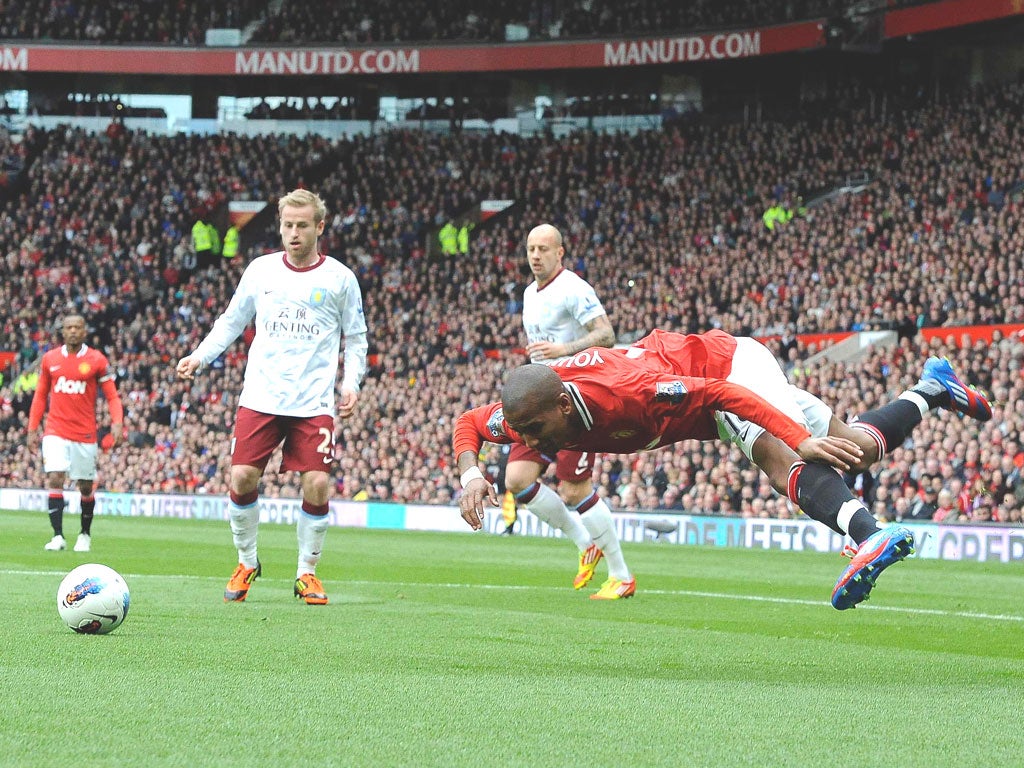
819 340
947 14
959 336
711 46
241 212
491 208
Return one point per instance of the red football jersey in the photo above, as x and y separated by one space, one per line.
631 400
704 355
70 382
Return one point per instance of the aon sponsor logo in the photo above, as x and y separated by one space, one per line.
69 386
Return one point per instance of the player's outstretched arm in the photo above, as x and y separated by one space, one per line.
837 452
834 451
471 429
599 333
475 489
116 408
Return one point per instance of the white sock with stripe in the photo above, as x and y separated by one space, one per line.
245 523
549 507
311 531
598 520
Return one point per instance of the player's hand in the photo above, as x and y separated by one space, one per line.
471 502
187 367
545 350
116 434
348 403
32 439
834 451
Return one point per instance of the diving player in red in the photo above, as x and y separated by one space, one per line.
655 394
68 381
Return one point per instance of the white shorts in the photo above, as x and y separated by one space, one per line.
76 460
755 367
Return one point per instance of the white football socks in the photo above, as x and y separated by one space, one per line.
598 520
244 524
548 506
311 531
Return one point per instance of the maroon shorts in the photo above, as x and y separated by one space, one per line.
570 466
308 440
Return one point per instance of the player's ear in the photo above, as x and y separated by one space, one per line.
565 405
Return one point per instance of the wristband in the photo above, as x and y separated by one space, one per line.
473 473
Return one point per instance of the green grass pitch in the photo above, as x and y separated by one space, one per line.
474 650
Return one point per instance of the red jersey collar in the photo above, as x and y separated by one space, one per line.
549 282
293 268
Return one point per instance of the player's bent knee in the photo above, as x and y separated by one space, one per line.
573 493
774 458
244 479
863 440
316 487
520 475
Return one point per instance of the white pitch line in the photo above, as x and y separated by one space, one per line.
517 587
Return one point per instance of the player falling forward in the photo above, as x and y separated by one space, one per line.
669 387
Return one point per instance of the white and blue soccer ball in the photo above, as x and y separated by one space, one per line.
93 599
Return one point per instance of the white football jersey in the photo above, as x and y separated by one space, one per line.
301 316
560 310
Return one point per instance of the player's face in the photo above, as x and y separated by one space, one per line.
73 331
299 232
544 254
545 430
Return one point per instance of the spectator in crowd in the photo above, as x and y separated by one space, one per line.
925 505
945 507
1008 511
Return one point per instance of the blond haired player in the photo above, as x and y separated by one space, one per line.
304 304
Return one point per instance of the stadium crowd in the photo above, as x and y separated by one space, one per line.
423 21
668 226
392 21
124 21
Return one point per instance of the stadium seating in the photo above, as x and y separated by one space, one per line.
390 21
667 225
120 21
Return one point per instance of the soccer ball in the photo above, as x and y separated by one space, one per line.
93 599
